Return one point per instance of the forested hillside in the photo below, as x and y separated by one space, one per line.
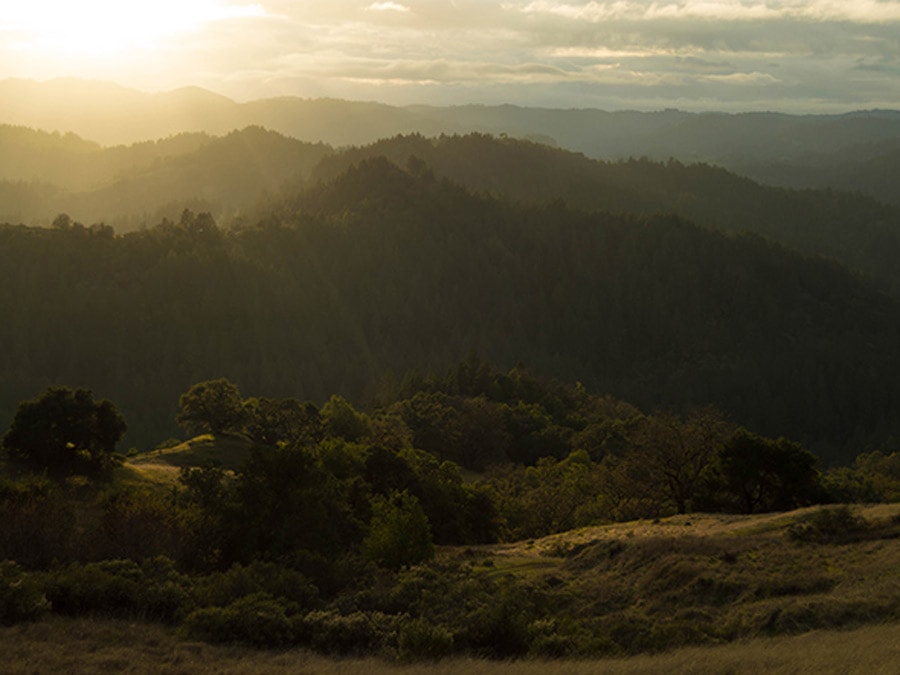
870 170
386 270
42 175
857 232
765 145
238 177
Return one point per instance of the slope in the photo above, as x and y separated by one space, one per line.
856 232
132 186
113 115
383 271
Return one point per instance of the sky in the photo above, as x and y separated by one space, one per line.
731 55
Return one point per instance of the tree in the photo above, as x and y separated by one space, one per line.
282 421
214 406
766 474
341 420
675 454
65 432
399 534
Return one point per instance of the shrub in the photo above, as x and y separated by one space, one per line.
419 640
108 586
258 620
223 588
355 633
500 629
21 599
153 589
830 525
38 524
163 594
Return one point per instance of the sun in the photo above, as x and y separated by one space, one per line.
109 27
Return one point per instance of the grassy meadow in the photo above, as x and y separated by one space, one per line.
782 595
101 645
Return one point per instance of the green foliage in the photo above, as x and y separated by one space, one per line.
65 432
214 406
332 632
153 589
258 620
833 524
500 629
281 422
421 640
135 524
21 598
874 477
38 522
399 533
221 589
393 272
768 475
284 502
340 420
675 455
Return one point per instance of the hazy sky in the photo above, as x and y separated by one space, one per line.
791 55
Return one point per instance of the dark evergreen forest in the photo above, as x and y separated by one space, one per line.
351 284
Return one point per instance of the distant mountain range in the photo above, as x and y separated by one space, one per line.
856 151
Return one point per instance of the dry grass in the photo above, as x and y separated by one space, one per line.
162 467
96 646
691 525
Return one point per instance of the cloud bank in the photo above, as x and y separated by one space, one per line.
790 55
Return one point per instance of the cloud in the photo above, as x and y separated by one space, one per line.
387 7
743 78
723 54
594 11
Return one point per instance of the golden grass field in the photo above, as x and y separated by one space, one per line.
107 646
97 645
848 591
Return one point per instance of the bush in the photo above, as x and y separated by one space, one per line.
223 588
38 524
108 586
419 640
356 633
830 525
500 629
258 620
152 590
163 593
21 599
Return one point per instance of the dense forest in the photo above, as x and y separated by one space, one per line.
449 395
240 178
350 284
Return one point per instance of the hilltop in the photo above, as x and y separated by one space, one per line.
771 147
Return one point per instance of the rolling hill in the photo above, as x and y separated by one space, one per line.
382 270
111 115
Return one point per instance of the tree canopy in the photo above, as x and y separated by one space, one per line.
65 431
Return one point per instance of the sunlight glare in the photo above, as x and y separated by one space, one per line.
102 27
